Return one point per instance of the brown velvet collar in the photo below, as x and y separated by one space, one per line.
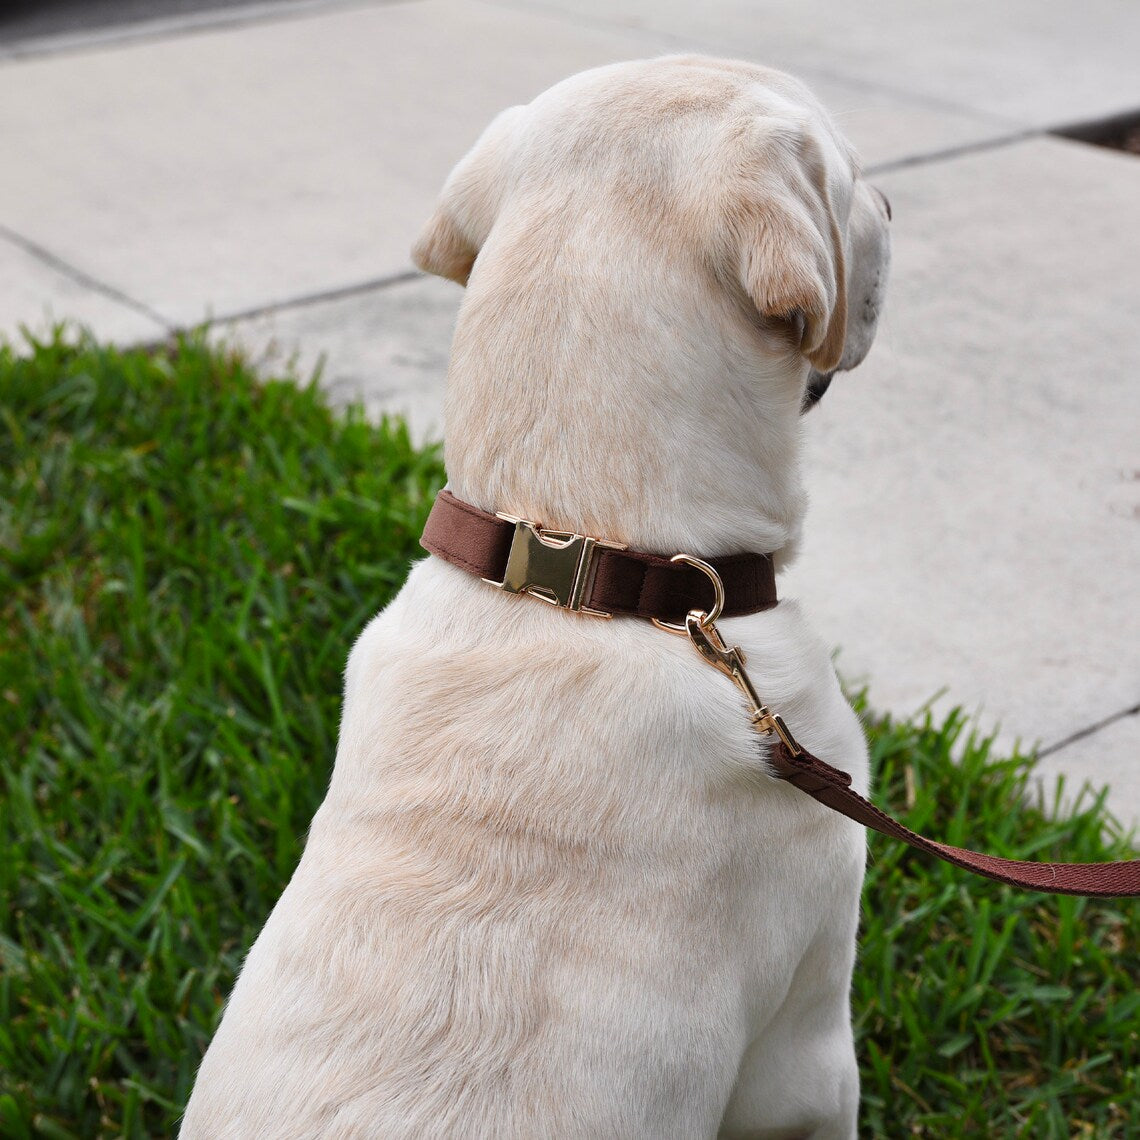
586 574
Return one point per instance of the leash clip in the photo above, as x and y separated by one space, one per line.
703 633
731 661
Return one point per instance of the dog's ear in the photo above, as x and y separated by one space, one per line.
792 253
472 195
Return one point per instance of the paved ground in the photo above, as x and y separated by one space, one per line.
976 485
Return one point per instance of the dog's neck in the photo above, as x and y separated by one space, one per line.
668 426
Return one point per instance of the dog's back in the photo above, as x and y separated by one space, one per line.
552 891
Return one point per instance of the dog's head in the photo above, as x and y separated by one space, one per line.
689 215
754 166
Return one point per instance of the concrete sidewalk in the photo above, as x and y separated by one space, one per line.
976 485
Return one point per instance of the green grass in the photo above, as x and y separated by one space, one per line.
982 1010
185 559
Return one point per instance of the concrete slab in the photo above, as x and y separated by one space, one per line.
976 485
228 170
386 348
1029 62
225 170
36 295
1108 759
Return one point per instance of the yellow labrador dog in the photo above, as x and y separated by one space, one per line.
554 890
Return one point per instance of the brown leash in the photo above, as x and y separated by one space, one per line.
600 578
833 788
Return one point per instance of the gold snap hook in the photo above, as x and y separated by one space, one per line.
701 630
718 595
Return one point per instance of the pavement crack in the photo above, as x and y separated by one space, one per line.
1115 132
336 294
34 249
953 152
1088 730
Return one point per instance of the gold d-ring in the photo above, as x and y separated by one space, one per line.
718 596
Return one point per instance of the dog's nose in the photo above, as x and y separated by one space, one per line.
818 383
886 203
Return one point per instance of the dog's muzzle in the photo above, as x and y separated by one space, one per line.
818 383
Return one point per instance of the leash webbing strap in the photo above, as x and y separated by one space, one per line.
832 787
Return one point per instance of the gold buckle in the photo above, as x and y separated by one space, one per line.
552 565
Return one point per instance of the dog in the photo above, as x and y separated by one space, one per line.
554 889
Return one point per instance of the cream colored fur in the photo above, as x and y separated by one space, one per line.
553 890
